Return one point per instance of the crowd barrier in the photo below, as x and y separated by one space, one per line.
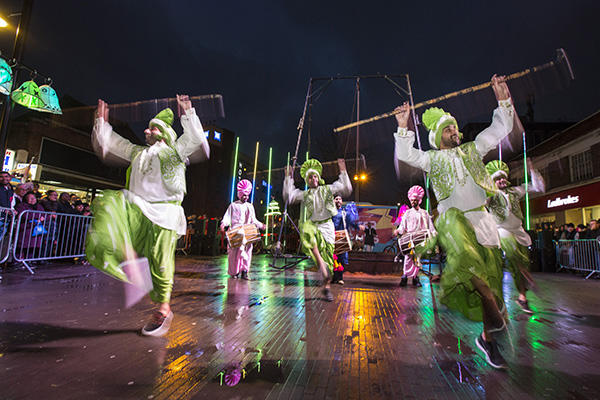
40 235
579 255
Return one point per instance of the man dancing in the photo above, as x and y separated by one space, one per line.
342 222
472 279
414 219
145 219
505 208
317 232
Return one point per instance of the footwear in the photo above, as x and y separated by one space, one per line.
492 354
341 282
158 325
524 304
245 276
416 282
403 281
327 294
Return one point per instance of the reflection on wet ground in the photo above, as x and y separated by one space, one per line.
65 330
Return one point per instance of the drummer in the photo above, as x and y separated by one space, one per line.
414 220
341 222
239 213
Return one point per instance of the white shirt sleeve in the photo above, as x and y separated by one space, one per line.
291 194
502 124
405 151
342 186
109 145
193 141
227 217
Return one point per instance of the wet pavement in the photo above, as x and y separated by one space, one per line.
65 334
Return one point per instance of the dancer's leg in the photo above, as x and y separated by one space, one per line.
492 317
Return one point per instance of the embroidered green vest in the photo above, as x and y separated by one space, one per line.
443 176
309 201
499 209
171 167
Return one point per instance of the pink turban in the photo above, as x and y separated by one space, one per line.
244 187
416 192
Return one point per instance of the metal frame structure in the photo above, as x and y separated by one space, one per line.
306 112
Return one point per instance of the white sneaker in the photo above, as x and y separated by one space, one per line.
158 325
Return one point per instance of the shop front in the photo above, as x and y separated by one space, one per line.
577 205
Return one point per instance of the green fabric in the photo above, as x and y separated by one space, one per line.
499 208
466 258
312 164
118 224
164 121
496 165
431 116
517 258
442 174
166 116
310 237
309 201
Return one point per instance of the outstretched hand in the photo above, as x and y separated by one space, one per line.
402 114
341 164
183 104
102 110
500 87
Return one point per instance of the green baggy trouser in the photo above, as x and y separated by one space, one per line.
118 225
466 258
517 258
310 237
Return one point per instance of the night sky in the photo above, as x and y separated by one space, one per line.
260 54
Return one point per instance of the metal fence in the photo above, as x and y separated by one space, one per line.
579 255
40 235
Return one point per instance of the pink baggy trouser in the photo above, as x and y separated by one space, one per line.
239 259
411 269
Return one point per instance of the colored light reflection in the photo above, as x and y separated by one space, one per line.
235 158
254 172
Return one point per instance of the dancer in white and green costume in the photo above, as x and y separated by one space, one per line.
146 218
506 208
317 232
472 279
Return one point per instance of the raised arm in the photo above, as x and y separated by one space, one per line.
291 194
342 186
107 144
192 144
404 149
502 119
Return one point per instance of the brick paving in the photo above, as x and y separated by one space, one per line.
64 334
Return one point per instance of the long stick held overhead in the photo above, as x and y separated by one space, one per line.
561 59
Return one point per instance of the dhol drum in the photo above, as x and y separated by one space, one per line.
237 237
410 240
342 242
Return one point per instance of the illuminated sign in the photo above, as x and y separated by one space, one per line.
557 202
9 160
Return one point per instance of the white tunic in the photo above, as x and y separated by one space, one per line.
513 225
147 189
320 215
416 220
466 194
239 214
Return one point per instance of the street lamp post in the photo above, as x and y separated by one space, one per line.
20 36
